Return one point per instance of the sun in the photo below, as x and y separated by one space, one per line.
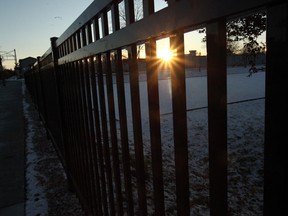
164 54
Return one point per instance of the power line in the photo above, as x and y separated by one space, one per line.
7 56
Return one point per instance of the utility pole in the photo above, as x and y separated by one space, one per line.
15 58
1 67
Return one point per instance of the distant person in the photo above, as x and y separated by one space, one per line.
2 78
253 68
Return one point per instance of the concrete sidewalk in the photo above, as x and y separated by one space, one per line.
12 155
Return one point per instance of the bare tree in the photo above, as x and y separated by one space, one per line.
138 12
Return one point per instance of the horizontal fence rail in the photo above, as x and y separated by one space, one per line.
108 124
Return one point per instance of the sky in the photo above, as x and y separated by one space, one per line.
28 25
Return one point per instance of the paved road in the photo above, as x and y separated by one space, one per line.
12 156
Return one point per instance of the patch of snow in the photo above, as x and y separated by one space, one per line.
245 145
246 98
36 202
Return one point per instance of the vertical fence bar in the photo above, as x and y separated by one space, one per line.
148 7
96 180
113 135
70 44
180 123
99 136
37 87
82 166
91 133
74 41
105 24
43 98
78 39
67 138
104 119
59 101
74 116
124 132
86 133
89 33
155 128
84 36
276 107
105 135
85 138
103 210
115 16
137 129
71 106
72 120
217 116
82 135
129 11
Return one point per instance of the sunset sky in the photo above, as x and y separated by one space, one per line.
28 25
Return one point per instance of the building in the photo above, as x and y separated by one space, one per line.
25 64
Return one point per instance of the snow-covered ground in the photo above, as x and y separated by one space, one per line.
245 144
246 98
47 191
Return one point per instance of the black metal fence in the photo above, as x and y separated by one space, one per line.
79 87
